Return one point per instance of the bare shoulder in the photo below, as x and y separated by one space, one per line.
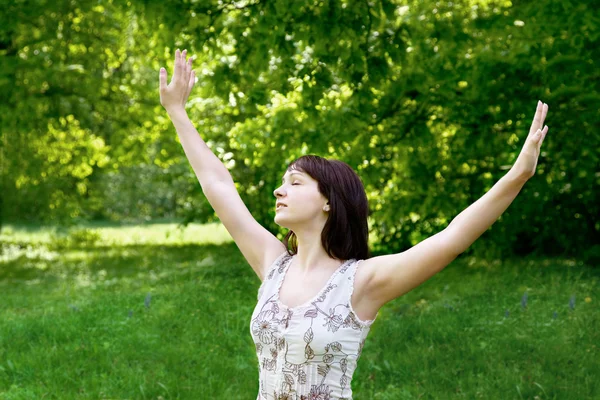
365 272
364 266
390 276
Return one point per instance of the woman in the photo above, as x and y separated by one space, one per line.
318 300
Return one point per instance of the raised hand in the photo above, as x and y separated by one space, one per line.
526 163
175 95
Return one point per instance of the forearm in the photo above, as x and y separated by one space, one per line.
207 166
470 224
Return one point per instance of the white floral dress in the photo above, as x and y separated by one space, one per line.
309 351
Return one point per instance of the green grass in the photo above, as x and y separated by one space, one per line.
74 324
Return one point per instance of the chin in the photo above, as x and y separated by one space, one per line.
280 223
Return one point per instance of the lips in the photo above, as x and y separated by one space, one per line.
280 205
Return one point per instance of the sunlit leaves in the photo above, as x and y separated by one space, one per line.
70 150
428 100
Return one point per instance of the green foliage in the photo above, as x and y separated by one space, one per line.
430 102
76 238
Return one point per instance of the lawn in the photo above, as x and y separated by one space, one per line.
104 311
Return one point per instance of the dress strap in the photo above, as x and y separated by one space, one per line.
277 265
350 276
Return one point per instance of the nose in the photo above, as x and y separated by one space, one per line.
277 192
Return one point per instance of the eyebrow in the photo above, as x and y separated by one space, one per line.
291 173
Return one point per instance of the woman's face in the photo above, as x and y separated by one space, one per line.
303 201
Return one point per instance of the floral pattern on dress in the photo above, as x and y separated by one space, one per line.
310 351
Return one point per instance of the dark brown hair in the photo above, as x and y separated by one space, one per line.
346 233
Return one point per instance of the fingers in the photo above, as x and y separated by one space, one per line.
539 118
544 131
191 83
543 110
539 136
544 115
192 78
183 67
162 79
178 70
186 69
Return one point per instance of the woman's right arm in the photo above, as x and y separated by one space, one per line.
259 246
207 166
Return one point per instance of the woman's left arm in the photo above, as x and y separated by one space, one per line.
467 226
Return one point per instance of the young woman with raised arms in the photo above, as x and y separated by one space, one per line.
320 289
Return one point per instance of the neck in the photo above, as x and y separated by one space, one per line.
311 255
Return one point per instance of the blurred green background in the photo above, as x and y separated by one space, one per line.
429 101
